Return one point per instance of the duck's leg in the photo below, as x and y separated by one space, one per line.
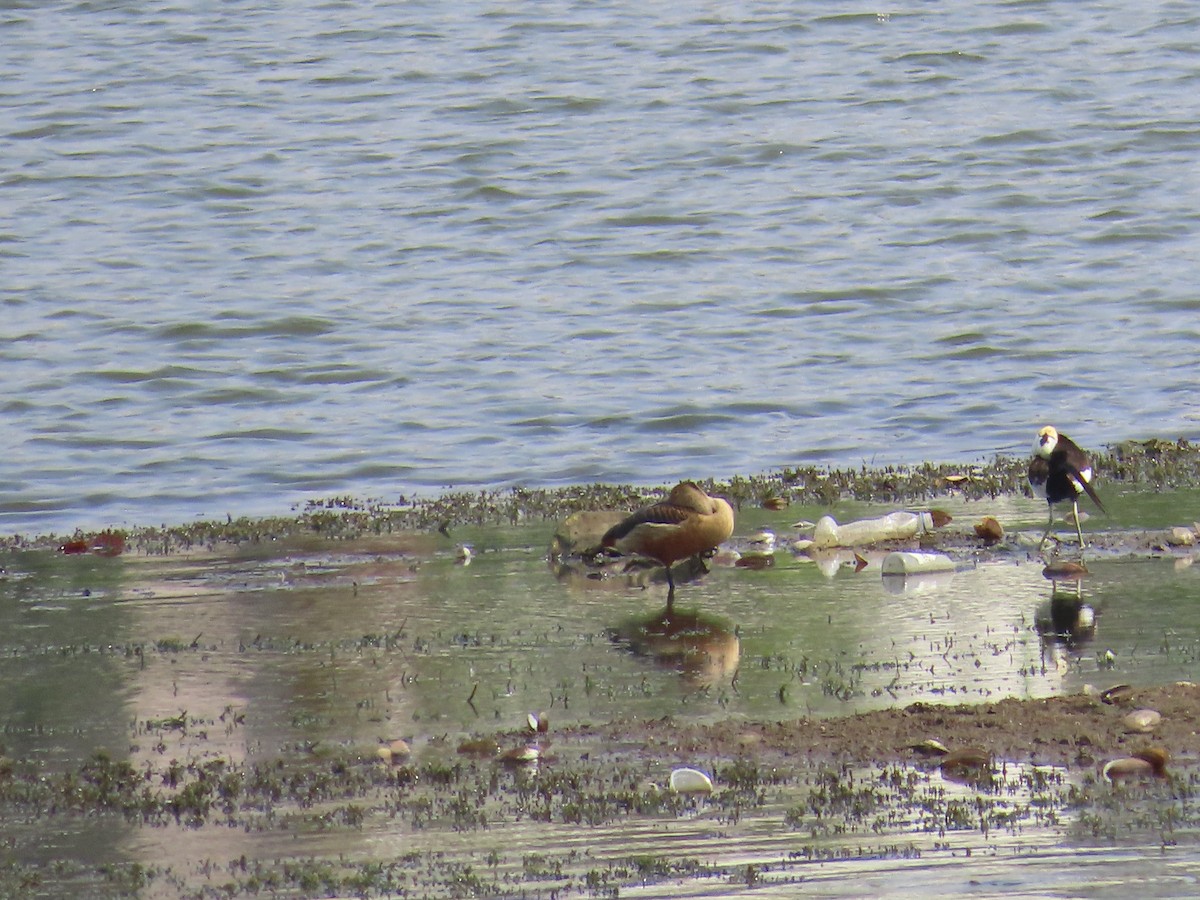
670 590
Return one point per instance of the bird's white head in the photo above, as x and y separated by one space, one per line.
1047 440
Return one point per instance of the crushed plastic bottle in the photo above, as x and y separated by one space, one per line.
893 526
911 563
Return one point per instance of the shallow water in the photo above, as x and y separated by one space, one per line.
252 255
297 651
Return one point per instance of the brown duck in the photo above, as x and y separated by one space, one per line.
687 523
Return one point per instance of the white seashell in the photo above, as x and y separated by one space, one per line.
690 781
1182 537
763 541
1142 720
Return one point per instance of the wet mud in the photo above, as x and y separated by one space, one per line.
552 805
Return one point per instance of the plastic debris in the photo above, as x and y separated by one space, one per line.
893 526
904 562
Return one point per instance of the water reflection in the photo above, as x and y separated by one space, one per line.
1066 621
702 647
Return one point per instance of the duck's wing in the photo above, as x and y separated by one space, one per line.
658 514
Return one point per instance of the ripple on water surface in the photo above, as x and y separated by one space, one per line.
277 255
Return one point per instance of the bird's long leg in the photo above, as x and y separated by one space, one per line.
1049 525
670 590
1078 527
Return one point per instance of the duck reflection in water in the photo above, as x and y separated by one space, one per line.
702 647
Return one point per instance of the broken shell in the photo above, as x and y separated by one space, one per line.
539 722
930 747
393 751
966 758
1118 694
1151 763
1142 720
690 781
399 747
756 560
520 756
990 530
763 541
940 517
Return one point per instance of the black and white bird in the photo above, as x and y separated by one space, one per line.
1060 471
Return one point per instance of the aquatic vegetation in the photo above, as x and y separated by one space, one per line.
1155 462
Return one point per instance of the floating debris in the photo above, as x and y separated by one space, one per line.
690 781
894 526
913 563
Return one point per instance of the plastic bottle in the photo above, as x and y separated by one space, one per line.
911 563
893 526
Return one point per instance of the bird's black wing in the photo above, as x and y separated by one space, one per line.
1073 472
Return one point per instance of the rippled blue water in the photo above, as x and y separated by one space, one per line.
250 255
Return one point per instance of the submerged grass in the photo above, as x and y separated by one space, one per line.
836 811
